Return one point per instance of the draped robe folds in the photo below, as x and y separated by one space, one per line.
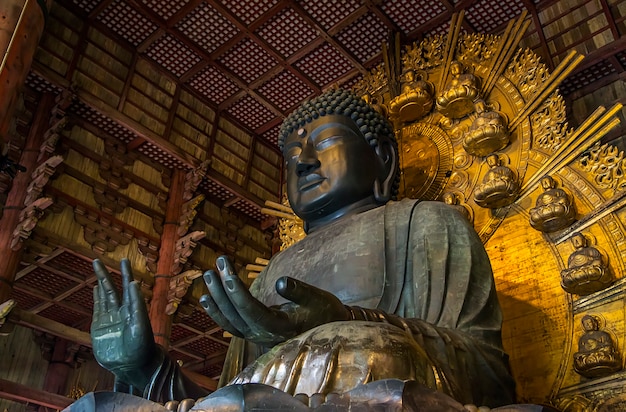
420 263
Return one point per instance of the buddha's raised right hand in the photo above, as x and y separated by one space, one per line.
121 335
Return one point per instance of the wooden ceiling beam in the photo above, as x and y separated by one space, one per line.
545 51
17 392
118 117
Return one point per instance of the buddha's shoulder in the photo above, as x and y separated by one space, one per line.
418 207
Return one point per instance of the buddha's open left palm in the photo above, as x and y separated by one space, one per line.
121 334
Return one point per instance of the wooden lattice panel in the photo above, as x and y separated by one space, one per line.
207 28
160 156
46 282
499 13
24 300
126 21
287 32
102 122
440 30
271 135
165 8
364 38
249 209
330 12
248 60
324 65
64 315
586 77
249 10
37 83
87 5
82 297
206 83
409 16
180 332
213 370
71 263
285 90
204 346
215 190
251 112
199 321
172 54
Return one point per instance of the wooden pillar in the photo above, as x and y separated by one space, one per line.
10 259
59 368
21 26
161 322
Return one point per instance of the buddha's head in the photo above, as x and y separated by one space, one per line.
409 76
590 323
341 157
456 68
493 160
449 198
547 182
578 240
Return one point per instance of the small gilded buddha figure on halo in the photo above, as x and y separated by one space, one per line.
587 270
554 209
499 186
488 132
451 198
597 355
457 98
415 100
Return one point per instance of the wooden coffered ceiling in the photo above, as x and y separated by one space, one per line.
249 63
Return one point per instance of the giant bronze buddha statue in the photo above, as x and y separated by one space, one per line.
382 303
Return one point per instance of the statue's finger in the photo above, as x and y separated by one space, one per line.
225 306
137 306
224 267
302 293
127 277
211 309
259 317
96 305
104 280
102 300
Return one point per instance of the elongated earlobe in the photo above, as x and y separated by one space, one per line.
383 186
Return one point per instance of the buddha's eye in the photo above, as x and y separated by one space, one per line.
327 142
292 152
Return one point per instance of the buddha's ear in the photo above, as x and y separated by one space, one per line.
389 160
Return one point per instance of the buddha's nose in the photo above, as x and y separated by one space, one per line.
306 163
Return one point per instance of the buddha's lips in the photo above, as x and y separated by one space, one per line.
309 181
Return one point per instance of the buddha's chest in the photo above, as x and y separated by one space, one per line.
345 258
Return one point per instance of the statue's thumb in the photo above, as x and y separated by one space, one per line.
297 291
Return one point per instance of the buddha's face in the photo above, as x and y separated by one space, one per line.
589 323
547 183
578 241
329 166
